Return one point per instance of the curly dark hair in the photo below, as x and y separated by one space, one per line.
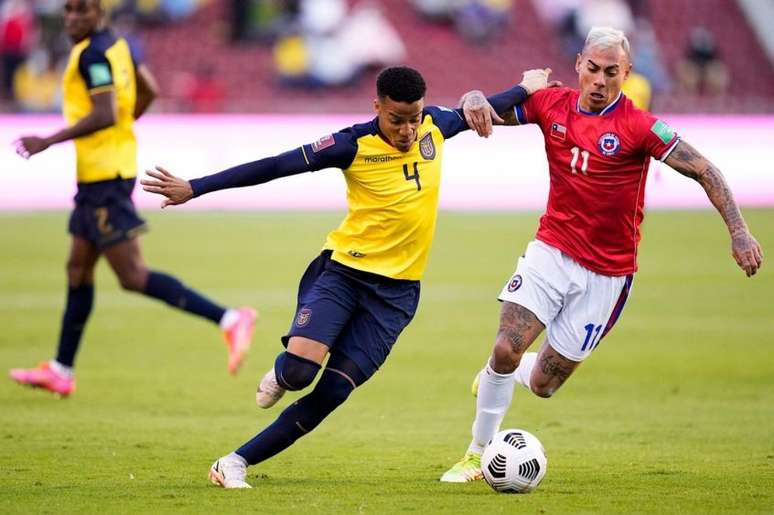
401 84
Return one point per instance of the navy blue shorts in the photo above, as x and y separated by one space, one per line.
356 314
104 213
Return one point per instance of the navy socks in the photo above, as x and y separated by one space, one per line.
79 302
299 418
168 289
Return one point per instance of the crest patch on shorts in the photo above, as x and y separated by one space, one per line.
515 283
303 318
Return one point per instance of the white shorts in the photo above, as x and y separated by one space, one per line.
577 306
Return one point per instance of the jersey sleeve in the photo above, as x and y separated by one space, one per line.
335 150
136 51
95 70
531 110
657 138
449 121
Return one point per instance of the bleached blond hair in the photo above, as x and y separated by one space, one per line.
607 37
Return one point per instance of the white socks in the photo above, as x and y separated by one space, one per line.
494 398
229 318
236 457
495 392
525 369
62 370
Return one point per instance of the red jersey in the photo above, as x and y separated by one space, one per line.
598 163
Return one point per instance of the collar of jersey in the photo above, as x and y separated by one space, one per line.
383 139
609 108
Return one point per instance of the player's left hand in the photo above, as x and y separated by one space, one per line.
537 79
177 190
747 252
28 146
479 113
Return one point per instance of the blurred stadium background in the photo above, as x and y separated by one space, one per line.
319 56
241 79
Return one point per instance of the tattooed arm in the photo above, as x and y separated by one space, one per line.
480 112
744 248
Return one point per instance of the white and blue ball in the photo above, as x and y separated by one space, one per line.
514 462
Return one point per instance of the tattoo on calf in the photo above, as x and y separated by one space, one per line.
553 367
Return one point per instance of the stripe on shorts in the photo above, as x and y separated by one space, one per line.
619 305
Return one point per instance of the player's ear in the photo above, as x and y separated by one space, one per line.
377 106
577 63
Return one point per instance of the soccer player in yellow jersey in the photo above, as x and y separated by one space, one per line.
358 295
105 89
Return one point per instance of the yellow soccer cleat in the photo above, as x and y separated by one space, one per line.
467 469
474 386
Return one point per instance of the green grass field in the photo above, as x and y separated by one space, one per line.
673 413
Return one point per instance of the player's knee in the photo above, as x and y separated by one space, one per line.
134 279
77 273
542 389
504 359
294 372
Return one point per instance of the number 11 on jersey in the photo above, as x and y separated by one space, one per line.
583 154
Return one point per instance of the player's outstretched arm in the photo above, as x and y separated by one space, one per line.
179 191
480 112
101 117
744 248
332 151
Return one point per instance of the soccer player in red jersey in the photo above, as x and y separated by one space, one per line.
575 277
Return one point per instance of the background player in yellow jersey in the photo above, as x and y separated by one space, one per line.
358 295
105 89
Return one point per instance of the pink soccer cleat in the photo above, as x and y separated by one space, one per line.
44 377
239 336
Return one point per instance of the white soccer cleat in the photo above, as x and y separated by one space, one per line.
269 391
229 472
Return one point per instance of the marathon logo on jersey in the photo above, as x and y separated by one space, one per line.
515 283
323 143
303 318
427 147
381 158
558 131
609 144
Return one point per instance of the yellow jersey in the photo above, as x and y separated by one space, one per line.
392 196
102 62
637 89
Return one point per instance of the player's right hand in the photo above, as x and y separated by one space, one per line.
746 252
479 113
177 190
534 80
28 146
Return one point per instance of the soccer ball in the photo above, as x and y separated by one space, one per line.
514 462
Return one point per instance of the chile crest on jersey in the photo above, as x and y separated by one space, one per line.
609 144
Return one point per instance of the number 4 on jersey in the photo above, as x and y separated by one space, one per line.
414 177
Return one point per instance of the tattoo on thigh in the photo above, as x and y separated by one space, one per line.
518 326
552 367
